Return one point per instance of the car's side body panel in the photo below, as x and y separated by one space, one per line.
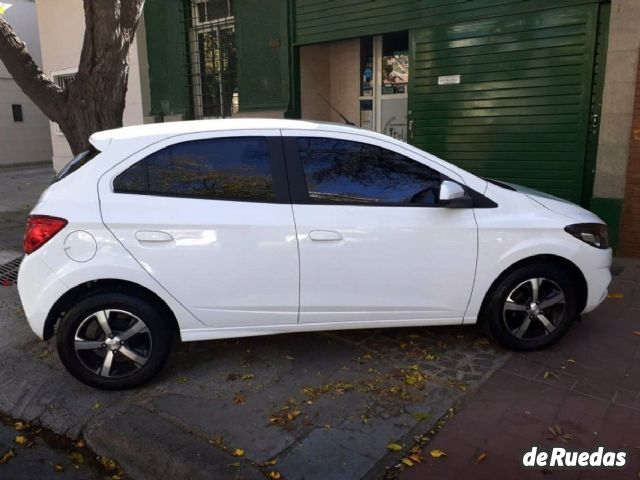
407 262
231 263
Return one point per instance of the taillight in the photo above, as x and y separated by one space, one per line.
40 229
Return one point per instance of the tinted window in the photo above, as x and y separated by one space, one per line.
226 168
350 172
76 163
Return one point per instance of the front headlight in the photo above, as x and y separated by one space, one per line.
595 234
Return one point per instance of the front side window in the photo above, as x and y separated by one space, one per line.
224 169
341 171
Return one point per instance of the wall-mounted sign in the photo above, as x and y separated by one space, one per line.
449 80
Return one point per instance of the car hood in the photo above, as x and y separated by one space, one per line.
557 205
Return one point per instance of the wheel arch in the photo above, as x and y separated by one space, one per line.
107 285
568 265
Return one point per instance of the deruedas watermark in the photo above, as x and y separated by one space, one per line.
558 457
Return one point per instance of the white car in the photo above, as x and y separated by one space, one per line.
230 228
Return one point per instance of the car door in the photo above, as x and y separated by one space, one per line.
375 244
209 218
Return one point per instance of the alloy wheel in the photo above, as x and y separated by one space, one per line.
113 343
534 309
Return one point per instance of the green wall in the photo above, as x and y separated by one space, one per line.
322 21
167 46
263 54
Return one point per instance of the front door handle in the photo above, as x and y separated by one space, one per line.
153 236
324 236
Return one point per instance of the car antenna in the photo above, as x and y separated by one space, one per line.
346 120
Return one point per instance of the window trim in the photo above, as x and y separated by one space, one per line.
278 169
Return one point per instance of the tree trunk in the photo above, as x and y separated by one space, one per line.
95 99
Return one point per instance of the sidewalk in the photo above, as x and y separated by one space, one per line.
588 385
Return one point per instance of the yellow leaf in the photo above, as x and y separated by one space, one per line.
248 376
407 462
77 457
437 453
236 464
80 444
270 463
58 467
238 452
8 455
21 439
4 7
275 476
394 447
615 295
481 458
20 426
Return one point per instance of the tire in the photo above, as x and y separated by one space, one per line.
514 319
130 350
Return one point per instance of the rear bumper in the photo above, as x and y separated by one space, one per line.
39 288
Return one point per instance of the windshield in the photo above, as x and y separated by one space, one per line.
76 163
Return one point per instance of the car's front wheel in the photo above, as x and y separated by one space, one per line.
113 341
532 307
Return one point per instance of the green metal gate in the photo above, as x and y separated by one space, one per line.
520 109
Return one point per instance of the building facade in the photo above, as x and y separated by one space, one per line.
24 130
535 92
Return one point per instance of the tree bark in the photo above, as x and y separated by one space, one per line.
95 99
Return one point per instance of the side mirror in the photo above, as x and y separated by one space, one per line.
453 195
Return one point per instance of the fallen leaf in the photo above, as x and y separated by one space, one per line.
77 457
80 444
236 464
636 332
394 447
96 406
289 357
21 439
58 467
270 463
8 455
615 295
437 453
19 426
239 399
274 476
481 458
248 376
407 462
182 380
571 360
549 374
422 416
238 452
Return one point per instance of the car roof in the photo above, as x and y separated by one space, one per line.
150 133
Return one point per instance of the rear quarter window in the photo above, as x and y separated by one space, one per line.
77 163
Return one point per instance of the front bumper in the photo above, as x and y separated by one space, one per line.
597 273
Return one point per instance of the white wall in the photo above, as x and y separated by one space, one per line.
27 141
61 25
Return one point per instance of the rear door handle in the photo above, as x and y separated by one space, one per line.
153 236
324 236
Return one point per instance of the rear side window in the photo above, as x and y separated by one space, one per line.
77 163
237 168
342 171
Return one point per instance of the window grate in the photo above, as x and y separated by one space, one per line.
213 59
9 272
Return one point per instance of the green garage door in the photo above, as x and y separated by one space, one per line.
519 110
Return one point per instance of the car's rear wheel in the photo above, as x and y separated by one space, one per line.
532 307
113 341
